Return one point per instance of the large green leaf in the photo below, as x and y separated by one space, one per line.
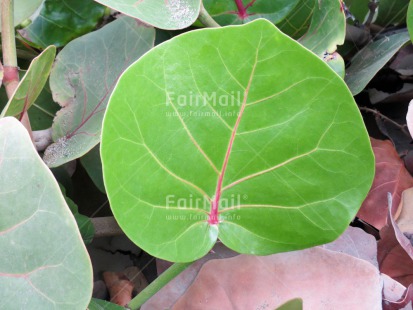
227 13
410 20
23 9
170 14
43 263
32 83
368 61
61 21
82 79
247 121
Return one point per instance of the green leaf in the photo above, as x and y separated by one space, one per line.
294 304
390 12
44 263
82 79
227 13
23 9
43 110
97 304
336 62
32 83
169 15
410 20
86 228
327 29
368 61
93 165
247 120
298 21
60 21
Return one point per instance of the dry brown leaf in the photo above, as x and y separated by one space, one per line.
119 286
391 177
395 295
405 219
355 242
322 278
395 253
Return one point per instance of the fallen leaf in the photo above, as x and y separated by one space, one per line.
135 275
395 252
355 242
395 295
405 219
392 290
119 286
320 277
391 177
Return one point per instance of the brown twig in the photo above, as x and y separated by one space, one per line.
380 115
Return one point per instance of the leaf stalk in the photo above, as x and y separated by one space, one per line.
157 285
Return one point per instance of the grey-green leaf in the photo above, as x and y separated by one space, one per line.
43 263
170 14
368 61
82 79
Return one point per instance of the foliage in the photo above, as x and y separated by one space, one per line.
230 114
214 128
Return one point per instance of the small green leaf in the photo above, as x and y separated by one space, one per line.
390 12
86 228
294 304
32 83
227 13
43 110
327 29
23 9
247 123
366 63
61 21
82 79
97 304
297 22
93 165
170 15
44 263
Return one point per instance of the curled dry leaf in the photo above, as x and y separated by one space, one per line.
273 280
405 219
395 295
395 253
391 177
119 286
